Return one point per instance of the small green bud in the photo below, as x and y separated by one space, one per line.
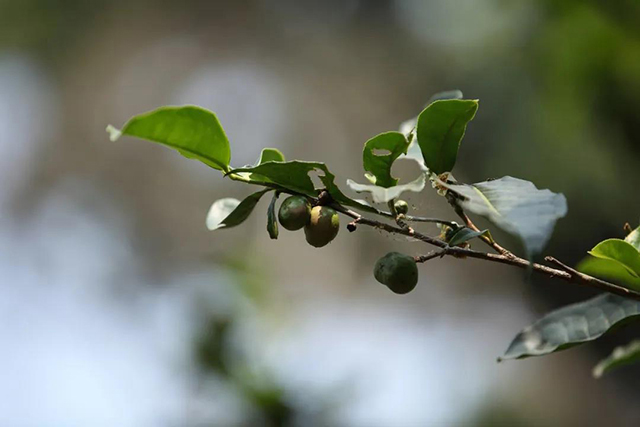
401 207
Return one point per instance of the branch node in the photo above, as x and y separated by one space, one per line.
431 255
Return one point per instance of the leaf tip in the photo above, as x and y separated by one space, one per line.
113 132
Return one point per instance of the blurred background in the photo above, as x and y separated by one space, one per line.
119 308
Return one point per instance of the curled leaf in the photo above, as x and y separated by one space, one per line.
227 213
379 164
272 222
383 195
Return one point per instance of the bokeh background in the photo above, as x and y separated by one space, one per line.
119 308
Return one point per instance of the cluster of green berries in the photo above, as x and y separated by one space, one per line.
320 223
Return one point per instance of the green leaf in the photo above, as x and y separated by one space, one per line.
294 176
227 213
633 238
621 356
516 206
572 325
272 222
609 270
408 126
379 165
193 131
464 234
621 252
383 195
440 129
271 155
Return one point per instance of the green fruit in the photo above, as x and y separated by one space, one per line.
323 226
294 212
401 207
397 271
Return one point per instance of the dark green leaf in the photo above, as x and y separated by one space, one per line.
237 216
272 222
271 155
383 195
193 131
609 270
633 238
621 252
621 356
294 176
440 129
573 325
464 234
516 206
379 165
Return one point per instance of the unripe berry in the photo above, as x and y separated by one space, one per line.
294 212
397 271
323 226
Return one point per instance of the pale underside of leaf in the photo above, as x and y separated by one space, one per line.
383 195
633 238
516 206
219 210
239 213
572 325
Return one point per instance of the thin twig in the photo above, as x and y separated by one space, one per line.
431 255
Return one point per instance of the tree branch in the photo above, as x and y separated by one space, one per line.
565 273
